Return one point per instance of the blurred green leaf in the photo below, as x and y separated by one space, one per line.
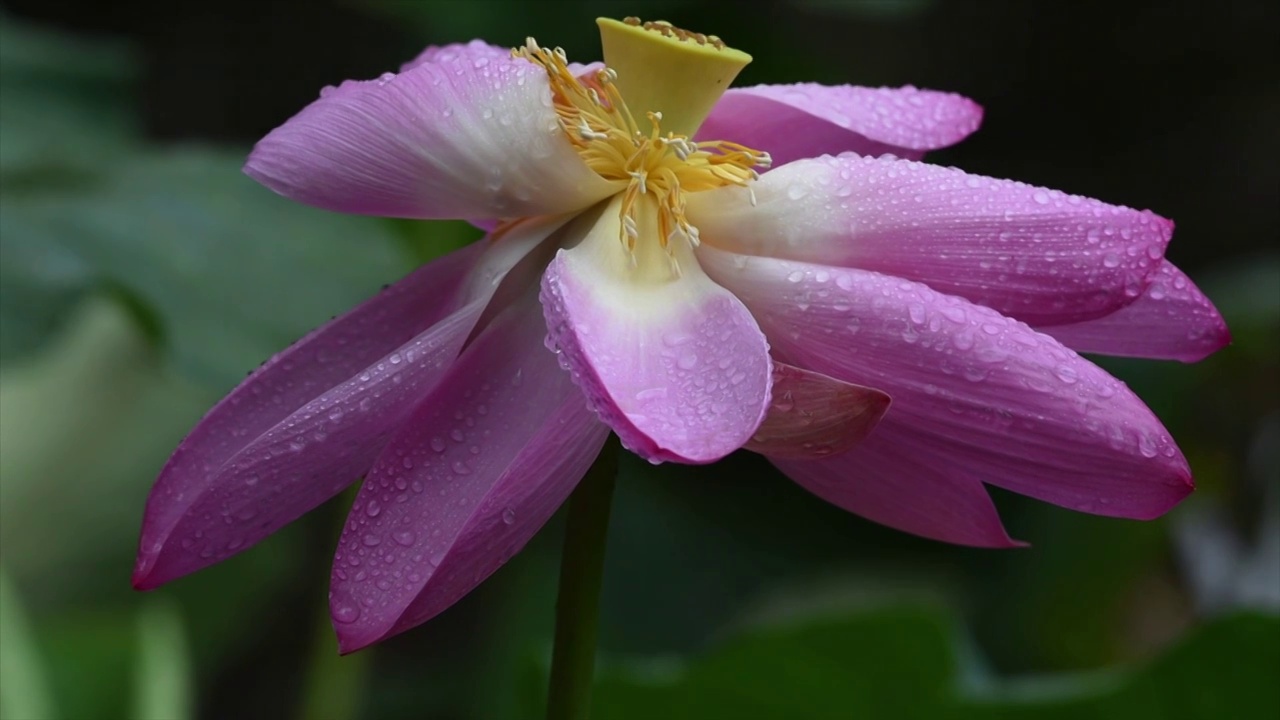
66 99
85 427
91 652
1224 669
892 662
901 662
24 691
162 674
232 272
97 389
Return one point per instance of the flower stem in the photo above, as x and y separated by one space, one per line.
578 602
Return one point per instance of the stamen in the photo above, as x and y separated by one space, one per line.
661 166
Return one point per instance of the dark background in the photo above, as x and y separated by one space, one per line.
123 127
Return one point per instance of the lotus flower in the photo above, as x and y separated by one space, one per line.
692 303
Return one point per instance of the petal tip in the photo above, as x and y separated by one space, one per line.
142 581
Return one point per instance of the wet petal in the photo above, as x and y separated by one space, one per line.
807 120
463 135
480 467
1172 320
312 419
467 52
995 399
896 481
813 416
1039 255
672 362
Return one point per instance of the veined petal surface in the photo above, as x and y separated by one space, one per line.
897 482
468 51
670 360
1172 320
311 420
812 415
467 481
1035 254
807 120
463 134
986 395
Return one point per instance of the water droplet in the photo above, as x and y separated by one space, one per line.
917 313
508 516
372 509
1147 446
371 540
346 613
404 537
437 444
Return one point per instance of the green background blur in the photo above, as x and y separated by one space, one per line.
141 275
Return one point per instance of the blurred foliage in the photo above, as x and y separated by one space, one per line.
900 662
140 279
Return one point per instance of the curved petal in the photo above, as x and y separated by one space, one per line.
1172 320
479 468
807 120
469 135
670 360
990 397
312 419
898 482
814 416
467 52
1038 255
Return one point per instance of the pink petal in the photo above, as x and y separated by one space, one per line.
813 416
807 120
986 396
480 467
676 367
1038 255
1172 320
464 135
466 52
311 420
896 481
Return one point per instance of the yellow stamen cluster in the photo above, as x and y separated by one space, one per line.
662 167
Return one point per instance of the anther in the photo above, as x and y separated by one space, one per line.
640 176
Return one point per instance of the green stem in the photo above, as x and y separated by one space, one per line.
578 603
334 684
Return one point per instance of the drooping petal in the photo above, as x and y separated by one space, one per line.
813 416
470 478
463 135
995 399
807 120
670 360
312 419
896 481
1038 255
1172 320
